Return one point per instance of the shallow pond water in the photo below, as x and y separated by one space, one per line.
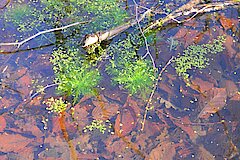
179 118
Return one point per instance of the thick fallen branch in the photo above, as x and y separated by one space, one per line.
109 34
192 7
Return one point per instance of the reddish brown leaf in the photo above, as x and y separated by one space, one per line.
198 38
25 80
170 76
213 101
228 44
20 72
116 95
120 147
70 127
80 116
27 154
23 84
185 125
85 98
227 23
104 109
36 101
188 35
125 122
152 128
236 97
58 146
201 85
183 150
13 143
166 88
28 125
204 154
165 150
2 123
5 103
231 88
134 105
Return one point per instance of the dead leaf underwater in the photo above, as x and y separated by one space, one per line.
213 101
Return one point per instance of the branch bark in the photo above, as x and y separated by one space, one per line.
91 39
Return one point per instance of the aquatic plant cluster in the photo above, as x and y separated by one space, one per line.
56 105
97 125
74 75
133 73
196 56
77 76
54 13
25 17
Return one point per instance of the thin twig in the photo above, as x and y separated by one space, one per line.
144 37
43 89
8 1
19 44
153 91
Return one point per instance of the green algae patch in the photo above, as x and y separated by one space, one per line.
35 14
56 105
23 16
196 56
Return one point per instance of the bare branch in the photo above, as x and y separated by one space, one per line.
190 8
144 37
43 89
153 91
109 34
19 44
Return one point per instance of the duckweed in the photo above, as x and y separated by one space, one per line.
196 56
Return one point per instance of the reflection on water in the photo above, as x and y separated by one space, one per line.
193 118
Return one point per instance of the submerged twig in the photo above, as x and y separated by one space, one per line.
19 44
8 1
153 91
144 37
43 89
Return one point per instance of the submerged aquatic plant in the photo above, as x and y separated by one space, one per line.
56 105
74 76
196 56
136 77
134 74
98 125
107 13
